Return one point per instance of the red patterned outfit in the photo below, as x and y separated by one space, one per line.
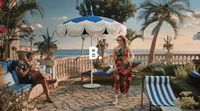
122 76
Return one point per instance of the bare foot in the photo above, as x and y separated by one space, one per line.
115 103
124 95
116 100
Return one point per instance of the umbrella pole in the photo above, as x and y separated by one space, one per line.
91 72
91 84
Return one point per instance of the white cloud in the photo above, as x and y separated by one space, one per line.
188 25
192 20
174 17
189 15
196 15
197 22
36 26
61 18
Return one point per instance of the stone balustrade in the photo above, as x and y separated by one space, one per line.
69 66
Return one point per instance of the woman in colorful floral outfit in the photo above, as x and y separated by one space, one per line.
122 56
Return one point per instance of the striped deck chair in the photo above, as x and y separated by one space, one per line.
159 92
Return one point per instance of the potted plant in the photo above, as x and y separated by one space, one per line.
47 46
168 46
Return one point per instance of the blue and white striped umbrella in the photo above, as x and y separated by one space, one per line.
90 25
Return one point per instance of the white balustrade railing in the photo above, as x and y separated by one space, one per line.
65 67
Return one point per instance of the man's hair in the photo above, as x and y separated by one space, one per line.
29 54
21 54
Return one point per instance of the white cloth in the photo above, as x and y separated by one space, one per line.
170 108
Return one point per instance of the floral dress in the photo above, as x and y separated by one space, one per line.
122 75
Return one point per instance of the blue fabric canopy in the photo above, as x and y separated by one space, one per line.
89 18
91 25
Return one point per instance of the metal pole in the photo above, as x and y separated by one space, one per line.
91 72
142 91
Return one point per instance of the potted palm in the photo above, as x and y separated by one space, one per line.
47 47
168 46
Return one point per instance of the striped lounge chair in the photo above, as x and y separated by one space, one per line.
159 92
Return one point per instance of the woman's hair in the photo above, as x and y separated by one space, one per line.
29 54
124 39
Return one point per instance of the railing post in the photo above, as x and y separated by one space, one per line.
54 74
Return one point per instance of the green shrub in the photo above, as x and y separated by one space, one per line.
189 67
181 73
182 85
187 100
170 69
187 103
154 69
159 71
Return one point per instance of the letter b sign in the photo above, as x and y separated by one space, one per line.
93 53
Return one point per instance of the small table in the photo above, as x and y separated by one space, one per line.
99 73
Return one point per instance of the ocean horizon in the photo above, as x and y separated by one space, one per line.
77 52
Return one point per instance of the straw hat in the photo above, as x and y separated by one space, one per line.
124 38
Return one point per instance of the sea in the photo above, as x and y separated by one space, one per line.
77 52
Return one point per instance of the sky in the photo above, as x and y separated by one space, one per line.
57 12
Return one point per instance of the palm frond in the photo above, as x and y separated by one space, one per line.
180 7
44 37
184 2
147 9
47 34
54 41
147 23
23 6
53 34
179 16
136 36
174 25
147 3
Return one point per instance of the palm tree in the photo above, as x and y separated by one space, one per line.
121 10
131 35
12 13
48 46
168 45
40 46
158 12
